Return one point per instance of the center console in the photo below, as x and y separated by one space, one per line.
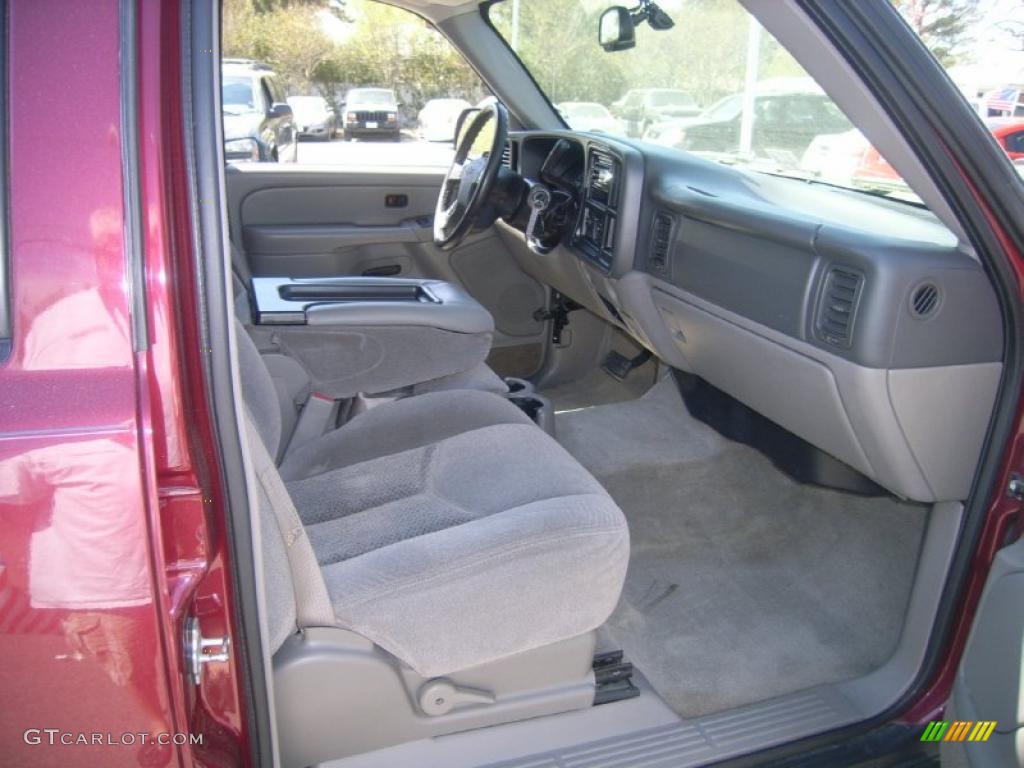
371 335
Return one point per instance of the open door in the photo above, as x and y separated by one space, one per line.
985 716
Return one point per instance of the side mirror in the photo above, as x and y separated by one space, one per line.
280 109
464 117
616 31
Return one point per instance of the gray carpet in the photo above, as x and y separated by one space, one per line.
598 388
743 584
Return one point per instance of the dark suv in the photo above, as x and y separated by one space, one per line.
258 123
785 123
371 112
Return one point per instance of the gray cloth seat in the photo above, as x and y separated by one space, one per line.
447 527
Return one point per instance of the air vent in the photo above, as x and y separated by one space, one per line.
602 177
924 300
506 155
661 240
838 308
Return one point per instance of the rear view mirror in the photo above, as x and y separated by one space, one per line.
616 31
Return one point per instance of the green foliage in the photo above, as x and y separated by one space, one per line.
704 54
945 26
369 44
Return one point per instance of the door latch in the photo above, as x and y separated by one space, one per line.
1015 488
200 651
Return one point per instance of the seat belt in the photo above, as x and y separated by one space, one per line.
312 603
318 415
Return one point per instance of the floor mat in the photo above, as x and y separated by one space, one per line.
743 584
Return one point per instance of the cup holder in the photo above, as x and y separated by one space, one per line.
517 386
538 408
529 405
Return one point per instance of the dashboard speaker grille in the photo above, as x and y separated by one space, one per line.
838 307
924 300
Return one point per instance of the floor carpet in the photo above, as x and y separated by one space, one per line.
743 584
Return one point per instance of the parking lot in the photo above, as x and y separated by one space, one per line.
410 151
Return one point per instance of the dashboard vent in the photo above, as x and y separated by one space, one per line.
661 240
602 177
924 300
838 307
506 155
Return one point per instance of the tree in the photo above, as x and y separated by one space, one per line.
945 26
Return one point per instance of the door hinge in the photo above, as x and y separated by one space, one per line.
200 651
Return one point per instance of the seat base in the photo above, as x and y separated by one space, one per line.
337 694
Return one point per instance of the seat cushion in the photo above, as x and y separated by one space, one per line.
411 422
480 378
468 547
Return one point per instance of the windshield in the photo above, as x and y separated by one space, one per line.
308 105
716 84
374 97
671 99
237 94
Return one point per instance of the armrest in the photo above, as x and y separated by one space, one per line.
372 335
373 301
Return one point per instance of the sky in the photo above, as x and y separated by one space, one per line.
992 58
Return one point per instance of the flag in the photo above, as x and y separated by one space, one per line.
1003 99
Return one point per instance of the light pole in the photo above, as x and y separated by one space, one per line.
749 84
515 25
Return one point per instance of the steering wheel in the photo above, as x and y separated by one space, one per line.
470 179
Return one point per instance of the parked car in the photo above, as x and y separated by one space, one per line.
849 159
371 112
259 124
436 121
314 117
642 107
785 123
589 116
1009 132
668 132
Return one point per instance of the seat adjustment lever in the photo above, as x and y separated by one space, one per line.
440 696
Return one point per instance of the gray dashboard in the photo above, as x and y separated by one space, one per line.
790 294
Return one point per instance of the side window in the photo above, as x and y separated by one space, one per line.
369 84
1015 141
266 94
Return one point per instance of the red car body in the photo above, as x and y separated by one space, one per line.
1009 133
874 172
110 532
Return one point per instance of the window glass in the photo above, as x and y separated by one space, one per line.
368 84
719 85
238 93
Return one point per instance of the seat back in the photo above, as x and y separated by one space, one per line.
294 587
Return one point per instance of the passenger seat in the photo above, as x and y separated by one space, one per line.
447 530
